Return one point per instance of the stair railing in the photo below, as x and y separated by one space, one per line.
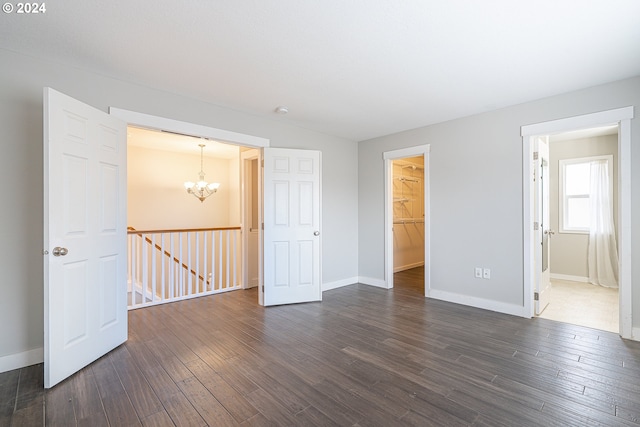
172 265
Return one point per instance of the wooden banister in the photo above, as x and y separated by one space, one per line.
131 230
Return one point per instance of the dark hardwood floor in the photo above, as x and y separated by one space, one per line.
409 281
364 356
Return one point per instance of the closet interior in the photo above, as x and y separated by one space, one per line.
408 213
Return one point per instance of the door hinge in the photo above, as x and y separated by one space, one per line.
536 226
536 296
535 155
263 288
262 163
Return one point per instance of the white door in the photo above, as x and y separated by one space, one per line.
85 294
543 233
291 226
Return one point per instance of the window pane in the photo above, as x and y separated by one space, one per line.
577 213
577 178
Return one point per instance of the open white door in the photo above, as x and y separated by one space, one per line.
85 294
292 221
542 294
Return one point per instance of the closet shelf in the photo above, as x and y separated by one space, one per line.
407 179
404 165
402 200
408 221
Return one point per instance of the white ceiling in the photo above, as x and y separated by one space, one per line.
355 68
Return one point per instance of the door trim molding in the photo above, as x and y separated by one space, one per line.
388 157
621 116
245 156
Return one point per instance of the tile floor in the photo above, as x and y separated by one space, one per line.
583 304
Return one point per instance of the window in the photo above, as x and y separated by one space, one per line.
575 182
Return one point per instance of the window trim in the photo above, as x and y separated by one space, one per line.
562 198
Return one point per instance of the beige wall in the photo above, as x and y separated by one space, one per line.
157 199
569 250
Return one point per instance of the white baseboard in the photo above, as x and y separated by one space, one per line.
371 281
20 360
485 304
339 283
570 278
408 266
635 334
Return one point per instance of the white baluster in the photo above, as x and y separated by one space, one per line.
233 258
172 268
197 289
154 255
226 234
163 265
204 257
220 253
134 271
188 263
180 262
214 271
131 257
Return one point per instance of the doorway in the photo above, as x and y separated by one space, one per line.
407 218
146 121
408 223
576 298
530 133
184 226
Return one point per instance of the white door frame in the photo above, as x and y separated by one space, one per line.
621 116
246 156
389 157
541 199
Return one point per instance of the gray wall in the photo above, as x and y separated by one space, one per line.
21 220
569 250
476 192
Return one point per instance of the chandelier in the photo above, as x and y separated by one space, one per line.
201 189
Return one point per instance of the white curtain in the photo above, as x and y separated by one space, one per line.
603 252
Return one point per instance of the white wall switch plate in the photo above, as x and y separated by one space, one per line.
478 272
486 273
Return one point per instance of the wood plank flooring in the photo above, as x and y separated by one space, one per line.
362 357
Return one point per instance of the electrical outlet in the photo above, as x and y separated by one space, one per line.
478 272
486 273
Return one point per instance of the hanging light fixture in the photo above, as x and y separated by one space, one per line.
201 189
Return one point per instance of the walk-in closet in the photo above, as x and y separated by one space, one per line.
408 213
